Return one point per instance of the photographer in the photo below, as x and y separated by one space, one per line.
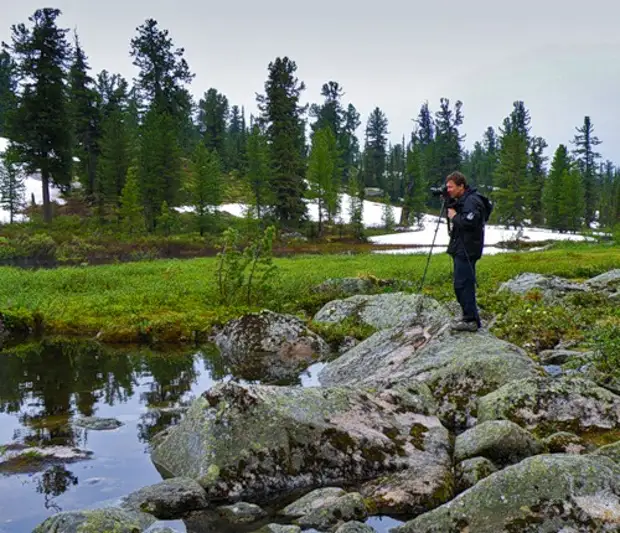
468 211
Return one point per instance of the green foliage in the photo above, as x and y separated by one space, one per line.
166 220
356 205
258 171
12 186
245 274
205 185
376 149
131 211
605 339
387 215
212 119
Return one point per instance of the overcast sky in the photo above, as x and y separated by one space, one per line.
562 58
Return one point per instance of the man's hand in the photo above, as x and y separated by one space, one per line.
451 213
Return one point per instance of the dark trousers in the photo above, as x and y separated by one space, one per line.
465 287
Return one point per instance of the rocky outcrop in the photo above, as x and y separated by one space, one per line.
96 423
458 368
269 346
470 471
254 443
542 493
552 288
96 521
383 311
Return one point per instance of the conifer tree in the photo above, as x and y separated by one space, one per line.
131 211
536 180
573 200
12 186
553 195
350 146
387 214
491 153
258 171
375 150
417 187
236 140
448 151
41 54
282 117
205 185
355 190
8 90
213 123
585 143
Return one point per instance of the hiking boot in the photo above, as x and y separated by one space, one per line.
462 325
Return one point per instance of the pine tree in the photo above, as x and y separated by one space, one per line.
350 146
213 123
258 171
41 54
356 204
585 142
491 159
236 140
86 119
282 116
417 187
205 185
536 180
448 141
552 196
131 210
330 113
322 173
12 186
8 90
375 150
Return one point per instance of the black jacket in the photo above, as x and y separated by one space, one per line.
467 235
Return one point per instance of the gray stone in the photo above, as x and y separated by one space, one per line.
96 423
544 493
312 501
501 441
22 459
547 405
471 471
552 288
611 450
268 346
96 521
560 357
349 507
382 311
241 513
278 528
457 367
168 500
345 286
235 438
608 281
355 527
565 442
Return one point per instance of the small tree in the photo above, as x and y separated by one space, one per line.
12 188
165 221
205 185
388 213
132 211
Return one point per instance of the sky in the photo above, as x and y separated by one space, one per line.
560 57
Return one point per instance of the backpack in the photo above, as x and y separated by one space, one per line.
488 207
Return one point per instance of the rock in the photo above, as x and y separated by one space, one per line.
457 367
351 506
312 501
169 500
257 442
96 521
345 286
411 492
22 459
241 513
348 343
544 493
608 282
611 450
565 442
471 471
96 423
268 346
160 528
552 288
560 357
278 528
355 527
382 311
501 441
547 405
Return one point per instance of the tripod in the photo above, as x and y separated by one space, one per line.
442 212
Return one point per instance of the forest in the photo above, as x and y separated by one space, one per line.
127 154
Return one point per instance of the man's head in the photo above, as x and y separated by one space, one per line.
456 184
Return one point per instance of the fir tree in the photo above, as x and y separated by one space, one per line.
322 173
12 186
131 210
585 142
258 171
205 185
387 214
114 158
41 54
282 116
536 178
375 151
236 140
448 140
350 146
213 122
491 159
553 195
356 204
8 90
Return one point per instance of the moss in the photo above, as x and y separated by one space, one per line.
340 440
417 433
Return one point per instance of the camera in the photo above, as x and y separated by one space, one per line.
442 192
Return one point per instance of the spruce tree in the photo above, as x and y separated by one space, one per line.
350 146
536 180
12 186
213 123
205 185
41 54
331 112
322 174
258 171
553 196
606 202
585 142
448 151
131 211
282 117
572 200
375 150
417 187
8 90
355 189
491 159
236 140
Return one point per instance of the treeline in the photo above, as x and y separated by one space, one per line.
140 149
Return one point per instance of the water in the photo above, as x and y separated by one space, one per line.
44 387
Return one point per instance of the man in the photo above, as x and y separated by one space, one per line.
469 211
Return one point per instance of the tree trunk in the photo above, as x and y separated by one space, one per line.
47 207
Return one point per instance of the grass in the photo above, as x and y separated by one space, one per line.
175 300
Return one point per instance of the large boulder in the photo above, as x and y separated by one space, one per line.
457 367
545 493
96 521
382 311
268 346
608 282
254 443
545 406
552 288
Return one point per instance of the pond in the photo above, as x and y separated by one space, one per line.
46 387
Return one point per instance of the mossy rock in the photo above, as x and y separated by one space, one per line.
109 520
471 471
544 493
611 450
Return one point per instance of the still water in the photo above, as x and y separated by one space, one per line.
45 387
